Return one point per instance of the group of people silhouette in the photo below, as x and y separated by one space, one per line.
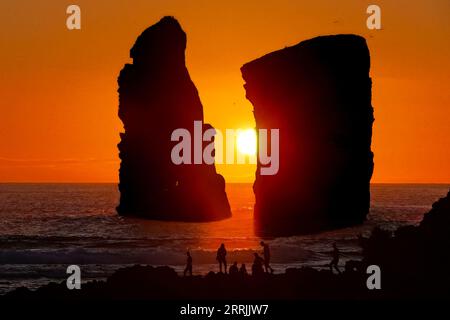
260 264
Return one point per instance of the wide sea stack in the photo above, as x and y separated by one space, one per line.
318 94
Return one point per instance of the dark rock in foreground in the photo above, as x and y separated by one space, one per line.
162 283
318 94
415 256
157 96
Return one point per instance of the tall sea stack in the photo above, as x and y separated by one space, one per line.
318 94
157 96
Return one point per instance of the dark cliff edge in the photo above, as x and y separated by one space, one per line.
318 94
414 259
414 263
157 96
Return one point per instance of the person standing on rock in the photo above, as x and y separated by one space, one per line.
266 255
334 262
188 264
221 257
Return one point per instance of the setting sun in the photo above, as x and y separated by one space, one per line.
246 142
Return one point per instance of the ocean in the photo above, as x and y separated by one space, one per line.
44 228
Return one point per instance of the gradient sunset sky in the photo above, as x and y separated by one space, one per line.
58 99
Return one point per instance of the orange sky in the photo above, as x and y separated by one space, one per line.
58 100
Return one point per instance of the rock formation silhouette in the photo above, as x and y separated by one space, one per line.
415 260
157 96
318 93
420 251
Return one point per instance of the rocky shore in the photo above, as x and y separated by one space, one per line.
414 263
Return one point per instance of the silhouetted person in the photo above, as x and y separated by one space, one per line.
234 269
334 262
266 254
257 267
243 269
221 257
188 264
